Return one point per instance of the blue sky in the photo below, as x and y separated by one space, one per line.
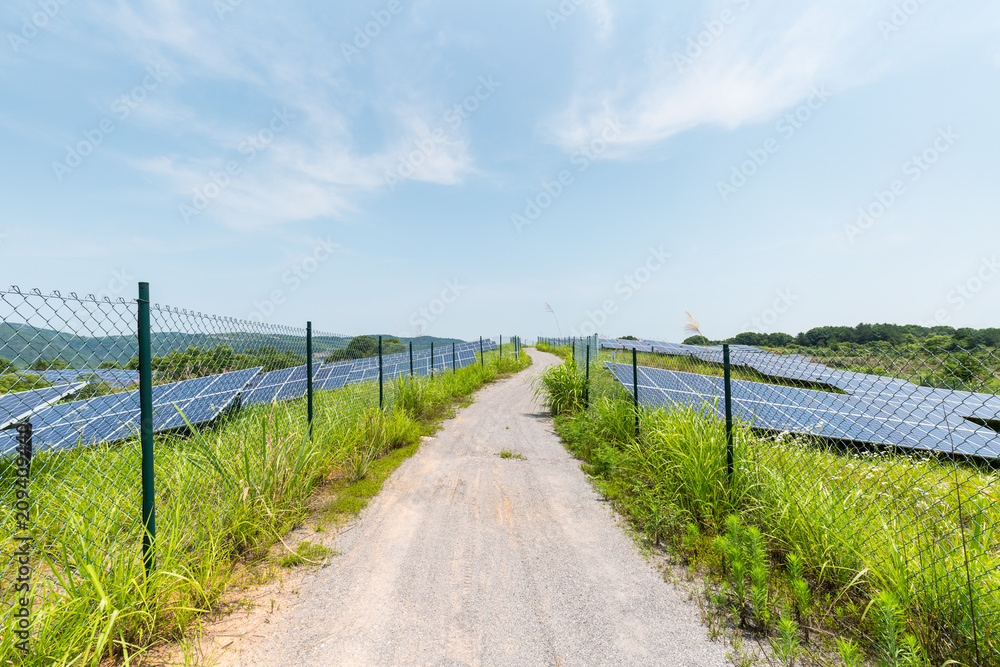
448 168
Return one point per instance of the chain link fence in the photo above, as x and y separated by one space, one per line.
847 492
583 349
137 436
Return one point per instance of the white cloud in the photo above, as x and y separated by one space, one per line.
761 63
274 57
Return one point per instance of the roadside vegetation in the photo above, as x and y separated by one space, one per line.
813 553
225 496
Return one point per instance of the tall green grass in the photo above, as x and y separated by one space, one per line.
224 495
563 388
921 530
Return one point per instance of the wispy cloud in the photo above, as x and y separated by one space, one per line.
260 58
758 63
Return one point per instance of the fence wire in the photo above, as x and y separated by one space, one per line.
240 412
869 470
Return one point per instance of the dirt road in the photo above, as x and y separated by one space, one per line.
466 558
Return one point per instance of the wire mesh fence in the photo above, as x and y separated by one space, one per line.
583 349
136 435
851 489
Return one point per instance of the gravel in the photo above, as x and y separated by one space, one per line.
466 558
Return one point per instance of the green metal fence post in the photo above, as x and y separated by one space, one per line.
586 387
454 367
411 358
501 346
432 360
482 353
146 431
380 373
635 390
729 410
309 376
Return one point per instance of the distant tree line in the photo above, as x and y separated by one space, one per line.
197 361
365 346
938 337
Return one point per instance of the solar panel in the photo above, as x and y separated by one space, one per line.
89 421
199 400
116 416
116 377
18 406
332 376
912 423
281 384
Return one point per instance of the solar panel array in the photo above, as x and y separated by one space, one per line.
116 377
114 417
17 406
868 408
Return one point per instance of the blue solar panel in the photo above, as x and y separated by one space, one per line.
282 384
200 400
116 377
335 375
912 422
18 406
87 422
116 416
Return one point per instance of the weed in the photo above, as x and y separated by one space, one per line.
306 552
563 388
508 454
787 645
849 653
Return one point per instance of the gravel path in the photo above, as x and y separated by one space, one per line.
469 559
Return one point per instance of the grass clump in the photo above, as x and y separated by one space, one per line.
306 552
563 388
509 454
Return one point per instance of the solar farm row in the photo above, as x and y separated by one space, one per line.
114 417
116 377
874 409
